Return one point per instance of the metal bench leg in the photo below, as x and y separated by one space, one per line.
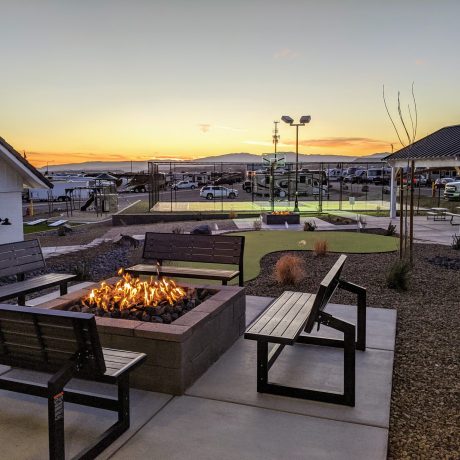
22 300
63 288
117 429
262 366
56 426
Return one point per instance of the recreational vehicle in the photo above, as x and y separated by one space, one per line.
284 184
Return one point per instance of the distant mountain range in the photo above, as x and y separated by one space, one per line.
241 158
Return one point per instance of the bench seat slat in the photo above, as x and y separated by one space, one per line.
294 321
185 272
260 323
32 285
281 313
284 320
115 369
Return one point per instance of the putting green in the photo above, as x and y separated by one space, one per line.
257 244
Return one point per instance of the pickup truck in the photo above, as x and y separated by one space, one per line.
452 191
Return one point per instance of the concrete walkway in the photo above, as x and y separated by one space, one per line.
223 417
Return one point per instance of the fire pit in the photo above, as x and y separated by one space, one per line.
281 217
153 300
183 329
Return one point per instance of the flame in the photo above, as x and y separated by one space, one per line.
131 292
281 213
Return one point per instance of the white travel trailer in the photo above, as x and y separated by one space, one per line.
58 192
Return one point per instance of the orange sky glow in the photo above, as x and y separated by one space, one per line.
168 80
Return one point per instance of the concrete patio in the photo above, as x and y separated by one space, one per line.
222 416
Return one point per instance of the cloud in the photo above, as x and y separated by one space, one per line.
204 127
286 53
420 62
343 142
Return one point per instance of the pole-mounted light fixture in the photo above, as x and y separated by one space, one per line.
304 119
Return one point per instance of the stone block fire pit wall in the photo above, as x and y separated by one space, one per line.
177 353
280 219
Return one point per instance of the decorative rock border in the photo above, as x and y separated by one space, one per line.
177 353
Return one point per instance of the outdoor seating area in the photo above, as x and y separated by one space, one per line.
330 365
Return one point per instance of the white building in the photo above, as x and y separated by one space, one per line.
15 172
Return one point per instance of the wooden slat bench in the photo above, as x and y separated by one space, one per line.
66 345
216 249
21 258
293 313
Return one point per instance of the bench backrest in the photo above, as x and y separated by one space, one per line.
194 248
326 289
21 257
40 339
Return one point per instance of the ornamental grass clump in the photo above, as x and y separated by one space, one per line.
289 270
320 247
398 276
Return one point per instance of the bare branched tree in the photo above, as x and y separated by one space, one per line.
403 203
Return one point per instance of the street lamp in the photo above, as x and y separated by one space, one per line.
304 119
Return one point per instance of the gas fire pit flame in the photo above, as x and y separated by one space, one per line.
131 292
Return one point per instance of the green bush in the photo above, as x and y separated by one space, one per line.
399 275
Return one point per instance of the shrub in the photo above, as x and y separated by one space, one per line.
289 270
257 224
82 271
178 230
456 242
309 226
398 275
391 229
320 247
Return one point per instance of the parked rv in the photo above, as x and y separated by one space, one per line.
60 191
308 184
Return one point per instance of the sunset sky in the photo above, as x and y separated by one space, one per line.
135 80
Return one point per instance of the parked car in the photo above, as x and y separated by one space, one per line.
217 191
452 191
184 184
441 183
138 188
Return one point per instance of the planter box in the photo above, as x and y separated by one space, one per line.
280 219
177 353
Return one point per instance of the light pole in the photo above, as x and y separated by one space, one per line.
304 119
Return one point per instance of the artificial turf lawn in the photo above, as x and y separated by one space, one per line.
257 244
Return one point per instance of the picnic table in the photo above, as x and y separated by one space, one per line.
437 213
